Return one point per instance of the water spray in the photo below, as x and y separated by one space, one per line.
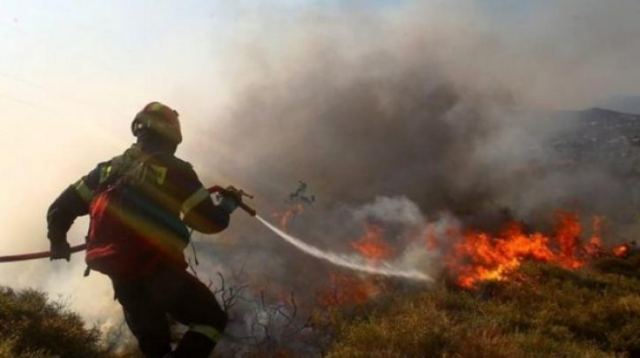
346 261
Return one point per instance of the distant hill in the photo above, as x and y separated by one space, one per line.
602 136
626 104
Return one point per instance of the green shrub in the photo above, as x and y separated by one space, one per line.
33 326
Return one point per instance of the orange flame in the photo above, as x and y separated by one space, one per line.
621 250
285 218
371 244
568 231
347 289
480 256
431 239
594 248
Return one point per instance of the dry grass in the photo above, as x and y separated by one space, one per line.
544 311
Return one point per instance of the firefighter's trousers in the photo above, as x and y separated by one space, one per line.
169 291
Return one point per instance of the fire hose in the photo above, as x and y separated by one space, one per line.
38 255
78 248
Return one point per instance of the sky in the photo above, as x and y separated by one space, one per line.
74 73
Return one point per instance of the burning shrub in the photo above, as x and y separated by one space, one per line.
481 256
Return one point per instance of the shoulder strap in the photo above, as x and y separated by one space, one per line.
130 164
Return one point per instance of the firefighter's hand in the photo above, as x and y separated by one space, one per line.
231 198
60 250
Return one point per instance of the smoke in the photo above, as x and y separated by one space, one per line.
398 210
418 101
424 101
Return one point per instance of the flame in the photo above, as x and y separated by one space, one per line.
371 244
285 218
474 256
347 289
621 250
431 239
480 256
568 231
594 248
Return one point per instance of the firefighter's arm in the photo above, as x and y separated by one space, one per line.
205 216
198 210
70 204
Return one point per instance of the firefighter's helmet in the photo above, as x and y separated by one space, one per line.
160 119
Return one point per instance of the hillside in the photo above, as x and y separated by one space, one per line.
542 311
601 136
623 103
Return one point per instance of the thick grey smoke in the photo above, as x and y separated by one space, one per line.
432 101
416 101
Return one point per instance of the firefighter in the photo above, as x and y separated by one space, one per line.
141 204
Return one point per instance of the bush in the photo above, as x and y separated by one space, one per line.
33 326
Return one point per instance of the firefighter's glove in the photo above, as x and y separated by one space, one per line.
60 250
231 198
